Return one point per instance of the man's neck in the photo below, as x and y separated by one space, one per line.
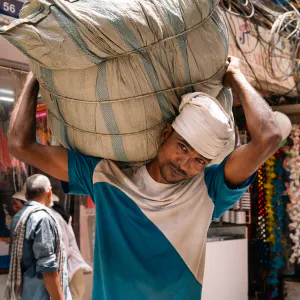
40 201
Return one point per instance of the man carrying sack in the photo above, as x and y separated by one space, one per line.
152 221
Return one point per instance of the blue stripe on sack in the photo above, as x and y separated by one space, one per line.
123 30
182 42
178 27
162 101
46 75
71 29
211 5
131 41
108 114
48 80
222 28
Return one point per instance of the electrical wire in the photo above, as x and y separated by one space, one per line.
284 26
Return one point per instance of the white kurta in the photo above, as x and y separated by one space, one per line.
75 259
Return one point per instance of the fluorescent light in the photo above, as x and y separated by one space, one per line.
6 92
7 99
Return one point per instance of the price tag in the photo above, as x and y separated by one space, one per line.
11 7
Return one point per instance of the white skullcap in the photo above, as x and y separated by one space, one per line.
21 195
204 124
284 124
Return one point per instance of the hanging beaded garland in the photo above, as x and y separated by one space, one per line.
261 211
269 192
293 164
278 257
262 247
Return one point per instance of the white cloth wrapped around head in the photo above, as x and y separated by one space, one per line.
204 124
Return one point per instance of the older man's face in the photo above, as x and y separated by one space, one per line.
177 160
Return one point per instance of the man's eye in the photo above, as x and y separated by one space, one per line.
182 147
201 161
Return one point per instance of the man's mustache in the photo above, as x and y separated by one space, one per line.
178 169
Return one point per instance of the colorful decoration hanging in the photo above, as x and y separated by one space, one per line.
43 133
269 192
261 245
278 259
5 158
292 163
261 200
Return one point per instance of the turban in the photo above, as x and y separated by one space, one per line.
204 124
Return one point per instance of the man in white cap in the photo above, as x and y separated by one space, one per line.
20 199
38 268
77 267
152 221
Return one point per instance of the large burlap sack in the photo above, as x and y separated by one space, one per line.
112 72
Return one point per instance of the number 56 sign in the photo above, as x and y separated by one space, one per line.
11 7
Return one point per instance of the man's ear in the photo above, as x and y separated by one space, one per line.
49 193
167 132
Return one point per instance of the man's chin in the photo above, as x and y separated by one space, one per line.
169 177
173 179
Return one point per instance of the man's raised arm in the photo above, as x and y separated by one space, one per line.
263 128
22 142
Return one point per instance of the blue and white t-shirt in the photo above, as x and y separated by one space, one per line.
150 237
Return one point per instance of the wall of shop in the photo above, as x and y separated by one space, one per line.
11 56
